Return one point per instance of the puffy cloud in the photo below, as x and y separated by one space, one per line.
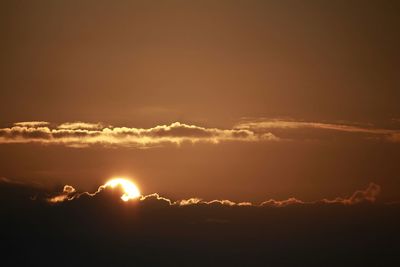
84 134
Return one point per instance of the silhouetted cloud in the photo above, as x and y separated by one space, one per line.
84 134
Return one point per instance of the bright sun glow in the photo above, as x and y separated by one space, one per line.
131 191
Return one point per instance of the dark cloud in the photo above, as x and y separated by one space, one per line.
101 230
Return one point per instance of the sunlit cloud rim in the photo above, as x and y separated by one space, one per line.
367 195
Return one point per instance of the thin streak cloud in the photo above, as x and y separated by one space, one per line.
261 125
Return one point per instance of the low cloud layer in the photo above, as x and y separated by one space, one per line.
80 134
367 195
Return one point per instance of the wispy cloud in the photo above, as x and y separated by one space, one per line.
80 134
261 125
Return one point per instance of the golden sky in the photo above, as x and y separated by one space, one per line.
240 100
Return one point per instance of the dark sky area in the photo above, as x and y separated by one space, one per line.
146 63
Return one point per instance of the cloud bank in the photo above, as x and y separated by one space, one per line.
80 134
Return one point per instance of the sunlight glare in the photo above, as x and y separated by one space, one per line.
131 191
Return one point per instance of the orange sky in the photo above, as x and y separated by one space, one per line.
274 98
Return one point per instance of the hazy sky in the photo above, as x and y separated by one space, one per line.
274 98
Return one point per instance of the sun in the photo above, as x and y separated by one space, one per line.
131 191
